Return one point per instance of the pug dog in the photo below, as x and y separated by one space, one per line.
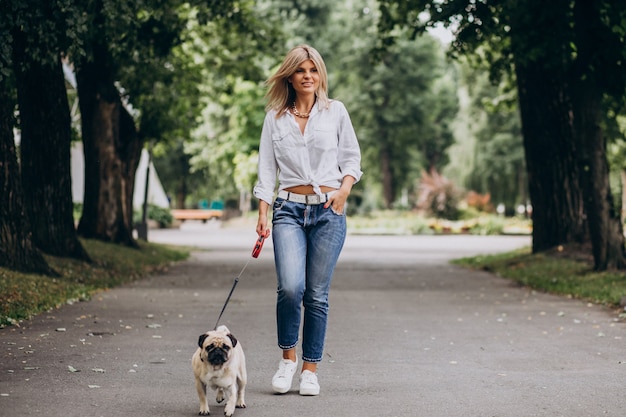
219 363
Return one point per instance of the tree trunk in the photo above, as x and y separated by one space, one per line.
45 152
623 178
112 150
387 175
522 186
130 153
16 247
553 179
545 108
605 227
181 193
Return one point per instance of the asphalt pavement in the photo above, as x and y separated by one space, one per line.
409 335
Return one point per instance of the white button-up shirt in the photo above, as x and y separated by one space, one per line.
327 151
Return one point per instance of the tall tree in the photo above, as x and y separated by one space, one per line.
404 114
592 64
45 125
17 250
544 95
110 142
112 150
567 55
16 245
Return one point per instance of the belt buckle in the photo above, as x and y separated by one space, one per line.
313 199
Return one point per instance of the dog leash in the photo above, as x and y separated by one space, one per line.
256 251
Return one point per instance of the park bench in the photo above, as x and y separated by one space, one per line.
197 214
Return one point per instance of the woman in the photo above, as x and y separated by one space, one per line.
309 142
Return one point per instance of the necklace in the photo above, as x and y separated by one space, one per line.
296 113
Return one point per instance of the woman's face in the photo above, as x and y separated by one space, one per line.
306 79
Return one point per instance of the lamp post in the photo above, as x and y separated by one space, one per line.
142 230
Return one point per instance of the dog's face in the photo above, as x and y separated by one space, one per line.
216 347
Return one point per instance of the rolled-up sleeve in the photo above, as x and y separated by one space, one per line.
267 168
349 152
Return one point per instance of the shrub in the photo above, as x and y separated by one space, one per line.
161 215
438 196
488 225
481 202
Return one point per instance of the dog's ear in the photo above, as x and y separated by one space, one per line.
202 338
232 339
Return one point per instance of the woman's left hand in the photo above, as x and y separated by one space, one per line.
337 201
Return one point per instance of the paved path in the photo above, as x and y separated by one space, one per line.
409 335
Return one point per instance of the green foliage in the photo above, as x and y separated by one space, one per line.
225 143
488 225
402 104
160 215
47 29
174 168
548 36
24 295
77 211
227 55
499 164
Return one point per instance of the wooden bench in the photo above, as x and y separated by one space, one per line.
196 214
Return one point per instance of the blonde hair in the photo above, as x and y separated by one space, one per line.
281 94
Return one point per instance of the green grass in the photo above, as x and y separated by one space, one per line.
25 295
547 272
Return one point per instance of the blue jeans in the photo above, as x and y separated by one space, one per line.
307 242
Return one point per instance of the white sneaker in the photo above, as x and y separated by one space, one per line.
308 384
281 382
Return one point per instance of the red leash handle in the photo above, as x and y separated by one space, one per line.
258 246
256 251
